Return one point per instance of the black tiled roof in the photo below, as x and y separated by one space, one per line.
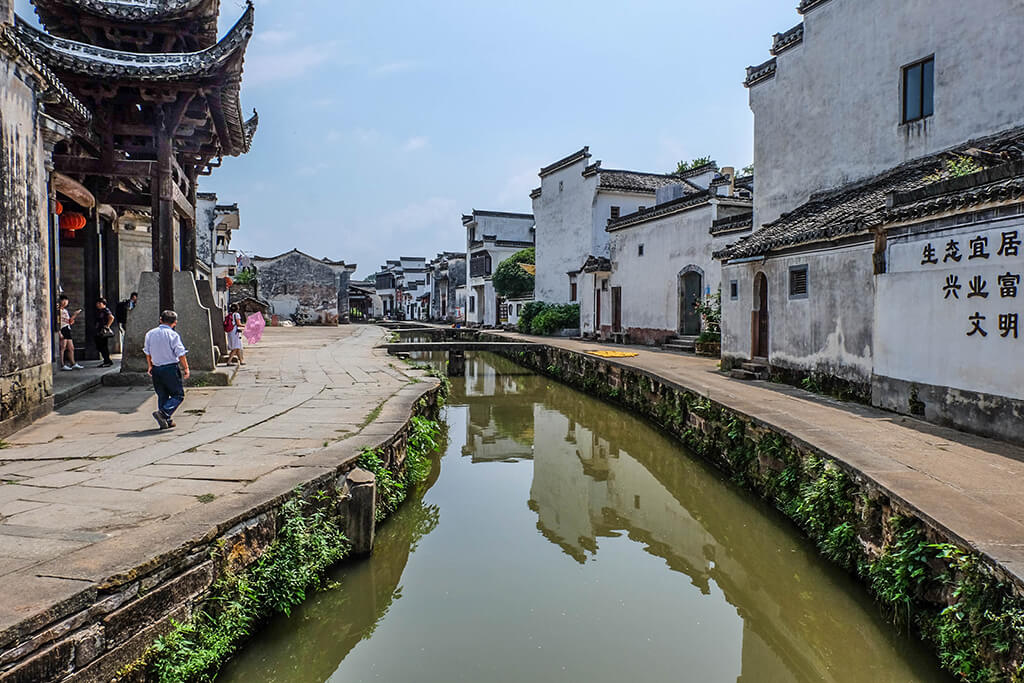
731 223
633 181
787 39
997 184
861 205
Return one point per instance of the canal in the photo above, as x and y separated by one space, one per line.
561 539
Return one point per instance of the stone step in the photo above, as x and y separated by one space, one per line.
742 374
758 369
679 346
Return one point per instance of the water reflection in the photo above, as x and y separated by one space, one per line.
673 574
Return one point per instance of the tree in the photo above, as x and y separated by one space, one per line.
747 170
684 166
511 279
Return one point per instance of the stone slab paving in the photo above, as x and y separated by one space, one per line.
970 485
95 486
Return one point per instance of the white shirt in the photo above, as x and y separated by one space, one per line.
164 345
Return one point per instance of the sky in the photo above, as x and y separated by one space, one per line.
381 123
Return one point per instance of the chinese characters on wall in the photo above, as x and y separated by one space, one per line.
1003 288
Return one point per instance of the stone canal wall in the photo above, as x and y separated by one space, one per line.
965 604
107 632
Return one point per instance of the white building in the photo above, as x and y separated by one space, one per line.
216 260
661 259
491 237
572 206
414 288
386 280
856 121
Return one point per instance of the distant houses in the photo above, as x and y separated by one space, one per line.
304 289
491 237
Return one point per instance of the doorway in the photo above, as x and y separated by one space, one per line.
691 286
759 318
616 309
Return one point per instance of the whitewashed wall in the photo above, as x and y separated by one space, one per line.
650 283
832 113
564 229
922 328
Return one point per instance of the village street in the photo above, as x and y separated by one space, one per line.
95 488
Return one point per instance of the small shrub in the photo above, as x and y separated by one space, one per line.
555 317
530 311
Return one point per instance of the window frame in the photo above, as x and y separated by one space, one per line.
734 290
807 281
572 291
614 212
640 249
904 90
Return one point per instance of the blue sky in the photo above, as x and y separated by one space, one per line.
381 123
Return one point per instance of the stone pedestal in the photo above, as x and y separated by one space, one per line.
194 323
220 337
359 491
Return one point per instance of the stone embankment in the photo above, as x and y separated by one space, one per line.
127 578
930 519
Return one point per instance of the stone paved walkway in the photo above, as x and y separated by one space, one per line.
97 478
972 486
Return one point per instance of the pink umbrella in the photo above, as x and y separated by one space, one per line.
254 327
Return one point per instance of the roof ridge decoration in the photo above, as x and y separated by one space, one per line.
98 62
759 73
502 214
677 205
300 253
787 39
127 10
10 39
806 6
579 155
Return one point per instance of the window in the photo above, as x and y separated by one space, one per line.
472 304
519 309
640 250
560 184
604 285
798 282
615 212
572 291
918 90
734 290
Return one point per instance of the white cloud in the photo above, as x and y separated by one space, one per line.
394 68
415 143
274 36
313 169
516 190
262 68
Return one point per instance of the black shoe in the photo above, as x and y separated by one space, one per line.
170 423
161 420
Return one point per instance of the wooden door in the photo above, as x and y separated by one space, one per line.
597 310
616 309
760 317
690 292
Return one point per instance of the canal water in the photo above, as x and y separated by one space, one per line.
561 539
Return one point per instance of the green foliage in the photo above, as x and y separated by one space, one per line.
510 280
684 166
710 310
554 317
899 576
958 166
393 487
530 311
747 170
246 276
308 543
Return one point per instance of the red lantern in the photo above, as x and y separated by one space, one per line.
58 208
72 221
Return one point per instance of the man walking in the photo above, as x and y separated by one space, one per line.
164 354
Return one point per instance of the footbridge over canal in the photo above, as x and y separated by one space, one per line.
456 349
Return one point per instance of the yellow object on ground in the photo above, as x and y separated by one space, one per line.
614 354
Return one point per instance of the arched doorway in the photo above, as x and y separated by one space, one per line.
691 288
759 318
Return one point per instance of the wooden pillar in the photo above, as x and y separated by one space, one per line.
92 275
163 213
111 264
188 226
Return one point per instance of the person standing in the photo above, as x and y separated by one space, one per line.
167 364
233 326
124 308
104 319
67 344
